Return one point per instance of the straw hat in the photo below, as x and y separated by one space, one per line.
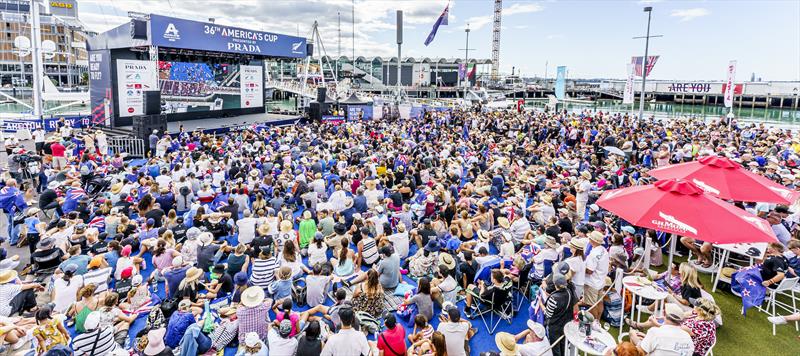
215 218
155 342
252 296
447 260
193 274
263 230
503 221
586 175
206 238
506 343
596 237
7 276
550 241
578 244
116 188
286 226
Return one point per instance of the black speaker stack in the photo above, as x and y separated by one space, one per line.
152 102
143 126
316 108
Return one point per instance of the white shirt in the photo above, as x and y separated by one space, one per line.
538 261
578 267
66 294
597 262
454 336
519 228
38 135
163 180
247 230
279 346
347 342
535 349
583 191
400 243
667 340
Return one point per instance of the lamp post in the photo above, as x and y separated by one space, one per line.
649 11
466 64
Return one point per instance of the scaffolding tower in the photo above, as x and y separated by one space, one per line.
498 10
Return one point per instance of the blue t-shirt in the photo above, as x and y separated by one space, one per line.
31 222
173 278
82 261
281 289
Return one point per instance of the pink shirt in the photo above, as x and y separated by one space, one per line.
293 317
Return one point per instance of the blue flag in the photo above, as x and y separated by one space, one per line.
12 200
747 283
442 20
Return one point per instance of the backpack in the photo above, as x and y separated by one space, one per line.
155 319
299 294
368 322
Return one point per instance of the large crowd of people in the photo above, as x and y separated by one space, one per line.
376 237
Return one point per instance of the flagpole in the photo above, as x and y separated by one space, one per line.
649 11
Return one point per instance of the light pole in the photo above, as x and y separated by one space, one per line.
466 64
649 11
399 53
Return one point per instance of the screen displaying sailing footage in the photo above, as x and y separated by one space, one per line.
193 87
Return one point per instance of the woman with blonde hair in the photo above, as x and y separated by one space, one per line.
690 289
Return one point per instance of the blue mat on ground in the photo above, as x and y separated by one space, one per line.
482 341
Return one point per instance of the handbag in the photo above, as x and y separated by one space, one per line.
169 306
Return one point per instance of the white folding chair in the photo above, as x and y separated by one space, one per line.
786 287
710 351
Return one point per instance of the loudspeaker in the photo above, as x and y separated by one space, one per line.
152 102
322 93
314 111
309 49
138 29
143 126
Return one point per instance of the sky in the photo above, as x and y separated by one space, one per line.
593 39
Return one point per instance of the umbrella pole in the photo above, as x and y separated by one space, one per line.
672 241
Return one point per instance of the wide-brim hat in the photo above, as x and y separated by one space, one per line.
193 274
206 238
578 244
506 343
503 221
286 226
155 342
596 237
348 203
432 246
263 229
550 241
252 296
586 174
8 276
116 188
447 260
254 173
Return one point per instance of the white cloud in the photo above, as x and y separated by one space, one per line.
521 8
690 14
555 37
647 2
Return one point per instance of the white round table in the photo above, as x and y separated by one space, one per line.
575 341
641 288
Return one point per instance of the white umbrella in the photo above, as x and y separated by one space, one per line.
614 151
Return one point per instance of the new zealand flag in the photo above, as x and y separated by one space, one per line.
747 283
72 198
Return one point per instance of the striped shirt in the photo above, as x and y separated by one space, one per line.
264 271
369 250
84 344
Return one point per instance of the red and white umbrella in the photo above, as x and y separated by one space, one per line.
681 207
727 179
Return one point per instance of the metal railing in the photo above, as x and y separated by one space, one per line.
132 146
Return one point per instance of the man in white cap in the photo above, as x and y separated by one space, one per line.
582 189
667 339
534 341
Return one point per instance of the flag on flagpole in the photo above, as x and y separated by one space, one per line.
472 72
637 62
442 20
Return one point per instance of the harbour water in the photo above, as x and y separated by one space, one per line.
784 117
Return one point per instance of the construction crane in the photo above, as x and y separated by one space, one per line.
498 11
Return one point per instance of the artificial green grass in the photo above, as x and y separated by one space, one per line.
750 335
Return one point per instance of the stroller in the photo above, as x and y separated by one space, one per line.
98 184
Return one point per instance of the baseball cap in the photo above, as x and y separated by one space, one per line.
537 329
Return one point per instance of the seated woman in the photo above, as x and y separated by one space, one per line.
113 317
343 262
423 262
290 257
422 299
699 323
690 289
368 297
298 320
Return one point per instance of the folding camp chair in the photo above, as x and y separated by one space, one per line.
786 287
501 307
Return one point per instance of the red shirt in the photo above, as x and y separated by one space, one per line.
396 338
58 149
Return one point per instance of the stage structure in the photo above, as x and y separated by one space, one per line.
181 69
